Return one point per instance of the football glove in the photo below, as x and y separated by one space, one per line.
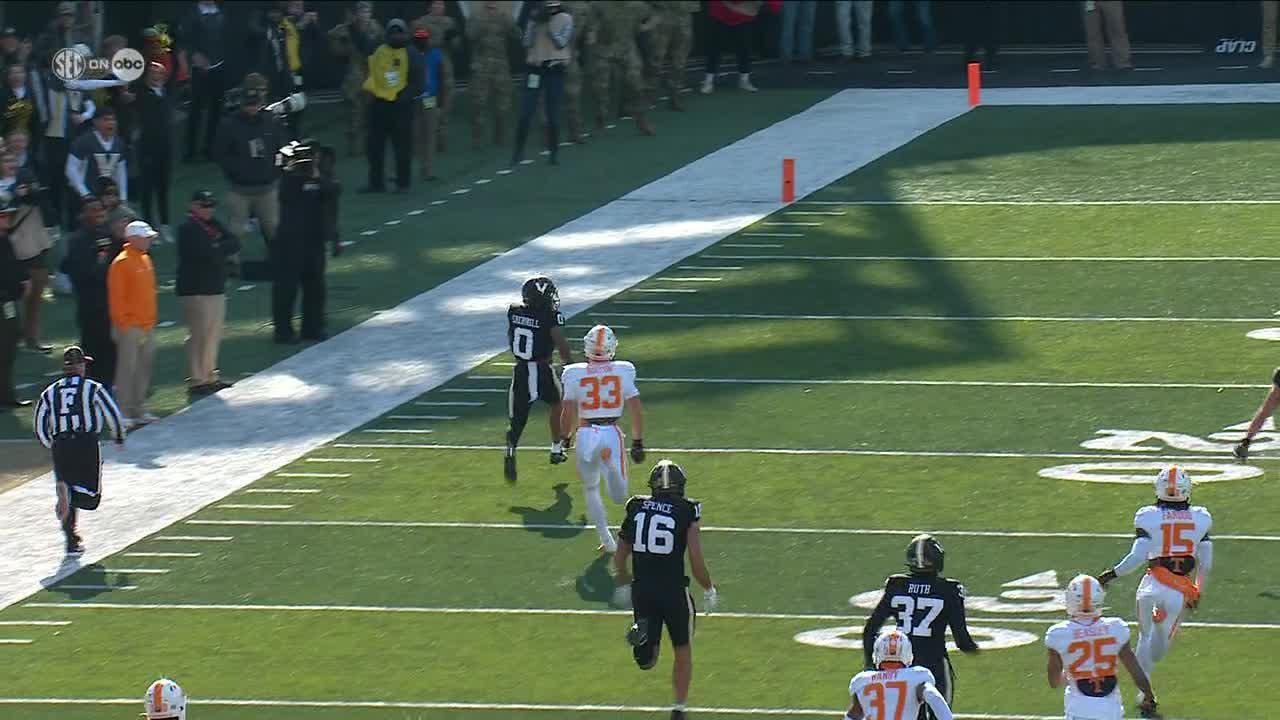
622 597
1106 576
1147 708
710 599
637 451
1241 450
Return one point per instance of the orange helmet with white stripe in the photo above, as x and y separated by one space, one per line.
600 344
165 701
1173 485
893 645
1084 597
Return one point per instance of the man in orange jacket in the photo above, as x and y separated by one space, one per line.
131 288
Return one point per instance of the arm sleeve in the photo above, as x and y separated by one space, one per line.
1204 555
561 35
117 296
110 413
937 703
122 177
74 170
1137 555
89 109
42 420
959 626
872 628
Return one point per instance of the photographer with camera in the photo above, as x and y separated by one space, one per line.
30 239
547 36
308 222
245 149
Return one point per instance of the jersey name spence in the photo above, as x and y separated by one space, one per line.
529 332
657 529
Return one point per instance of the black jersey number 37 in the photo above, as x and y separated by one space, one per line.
907 605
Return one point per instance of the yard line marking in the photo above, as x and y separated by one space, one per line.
706 278
162 554
709 267
1233 67
900 72
855 203
502 377
935 318
344 460
284 491
34 623
195 538
1064 70
93 587
500 707
416 431
474 390
792 224
139 571
417 610
14 641
241 506
448 403
1147 69
772 234
838 451
813 212
462 525
1007 258
15 441
502 364
750 245
644 302
664 290
314 475
424 417
942 383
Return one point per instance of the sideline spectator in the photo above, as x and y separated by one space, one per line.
270 57
155 147
308 225
18 142
90 250
426 114
924 15
443 36
1270 10
99 154
68 110
847 10
246 147
355 40
204 244
729 24
390 108
1110 13
301 29
13 288
669 45
9 43
157 47
131 285
547 38
982 26
797 30
30 240
202 55
61 32
618 26
18 103
490 32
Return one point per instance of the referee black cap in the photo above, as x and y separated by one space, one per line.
74 355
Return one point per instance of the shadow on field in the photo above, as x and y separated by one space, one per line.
595 584
94 575
557 513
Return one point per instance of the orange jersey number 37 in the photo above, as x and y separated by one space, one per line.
609 385
876 699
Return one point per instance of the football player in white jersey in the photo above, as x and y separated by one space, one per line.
894 690
1172 542
1083 654
595 394
164 701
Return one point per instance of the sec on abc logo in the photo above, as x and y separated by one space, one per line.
69 64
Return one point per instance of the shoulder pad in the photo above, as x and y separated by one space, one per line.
1145 510
895 579
955 585
1202 509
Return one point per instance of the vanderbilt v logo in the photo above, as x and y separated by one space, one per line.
106 163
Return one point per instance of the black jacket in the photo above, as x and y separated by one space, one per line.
155 122
246 148
202 258
12 275
89 256
205 34
308 215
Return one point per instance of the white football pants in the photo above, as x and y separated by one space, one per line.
1155 599
599 452
1081 707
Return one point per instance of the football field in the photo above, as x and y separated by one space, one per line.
996 333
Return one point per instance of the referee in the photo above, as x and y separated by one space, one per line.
69 416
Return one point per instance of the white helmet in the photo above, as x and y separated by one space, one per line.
893 645
600 344
1084 597
165 701
1173 485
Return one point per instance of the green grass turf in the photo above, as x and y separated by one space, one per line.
744 662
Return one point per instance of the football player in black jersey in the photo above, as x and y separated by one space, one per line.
534 330
659 528
924 604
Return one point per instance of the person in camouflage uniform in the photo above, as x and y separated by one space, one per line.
490 30
670 41
354 40
617 23
444 35
583 42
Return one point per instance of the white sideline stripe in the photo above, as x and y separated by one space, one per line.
195 538
690 279
242 506
93 587
139 571
501 707
664 290
792 224
283 491
399 431
448 403
995 455
14 641
814 212
857 203
750 245
346 460
642 302
1006 258
314 475
940 318
502 364
163 554
570 612
459 525
422 417
34 623
946 383
473 390
709 267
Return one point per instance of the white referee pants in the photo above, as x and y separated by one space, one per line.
599 454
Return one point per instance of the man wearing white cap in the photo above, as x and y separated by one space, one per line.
131 293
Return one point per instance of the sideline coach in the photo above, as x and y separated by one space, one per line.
71 413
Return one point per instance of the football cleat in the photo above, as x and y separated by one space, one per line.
165 701
558 456
1173 485
925 554
893 645
638 633
1241 450
1084 597
509 461
600 344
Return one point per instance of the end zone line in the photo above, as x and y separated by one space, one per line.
997 455
500 707
933 318
462 525
564 612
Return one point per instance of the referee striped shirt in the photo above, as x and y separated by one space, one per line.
76 404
